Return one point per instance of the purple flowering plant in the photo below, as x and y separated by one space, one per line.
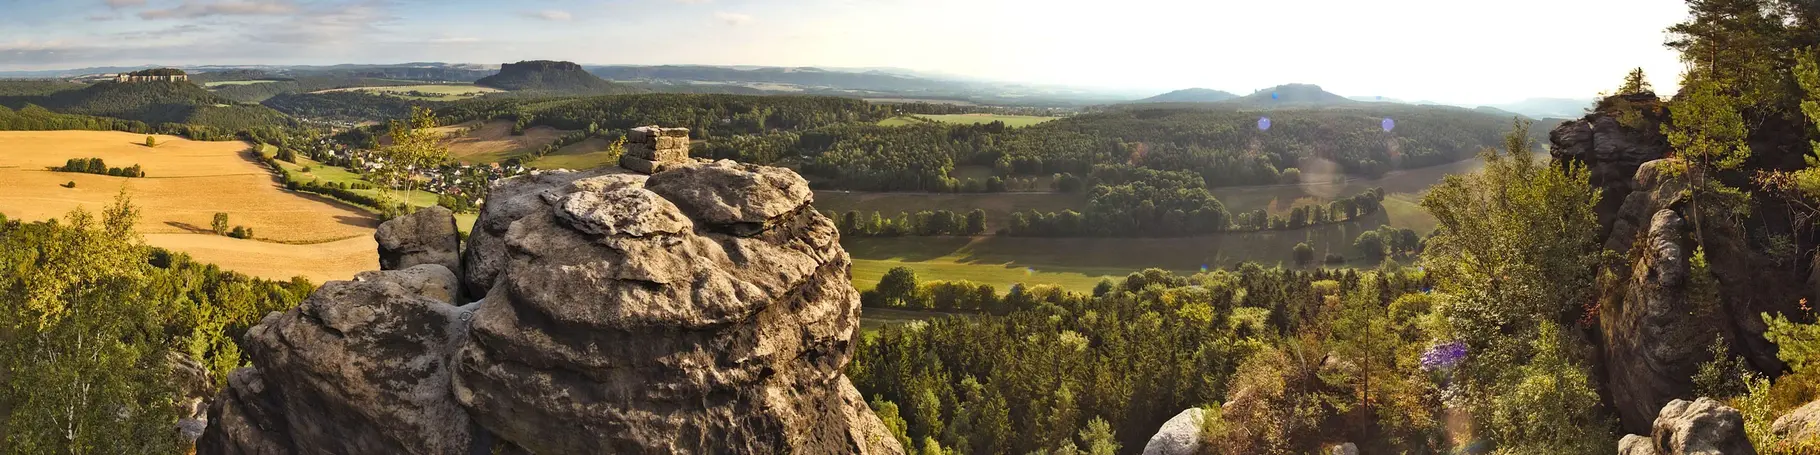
1444 356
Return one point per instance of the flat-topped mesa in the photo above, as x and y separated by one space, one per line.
652 149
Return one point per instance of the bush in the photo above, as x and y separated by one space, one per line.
241 232
1335 259
71 184
220 223
1304 254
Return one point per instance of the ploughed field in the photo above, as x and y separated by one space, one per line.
186 183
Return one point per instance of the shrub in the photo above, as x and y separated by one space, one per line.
71 184
1335 259
241 232
220 223
1304 254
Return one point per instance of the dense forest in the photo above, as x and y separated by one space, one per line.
171 106
349 106
91 311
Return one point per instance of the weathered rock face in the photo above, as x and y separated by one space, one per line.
705 309
1700 427
1612 150
1801 424
195 387
1650 344
1181 435
358 367
1652 341
426 236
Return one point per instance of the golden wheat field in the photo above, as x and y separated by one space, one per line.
493 141
186 183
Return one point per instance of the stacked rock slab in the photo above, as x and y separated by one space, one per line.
706 309
1699 427
702 309
652 149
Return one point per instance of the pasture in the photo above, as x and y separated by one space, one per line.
424 92
587 154
492 142
1079 263
336 174
186 183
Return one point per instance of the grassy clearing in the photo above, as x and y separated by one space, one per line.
493 141
1010 120
337 174
187 183
434 92
1080 263
587 154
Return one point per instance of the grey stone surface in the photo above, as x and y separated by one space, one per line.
427 236
1181 435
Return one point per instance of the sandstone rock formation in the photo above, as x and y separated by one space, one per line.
706 309
195 387
652 149
358 367
427 236
1652 334
1801 424
1700 427
1181 435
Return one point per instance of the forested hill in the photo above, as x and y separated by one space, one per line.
1190 95
1292 95
552 77
149 102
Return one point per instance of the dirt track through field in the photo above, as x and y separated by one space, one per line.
187 182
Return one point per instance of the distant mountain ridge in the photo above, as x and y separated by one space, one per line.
1298 95
1190 95
551 76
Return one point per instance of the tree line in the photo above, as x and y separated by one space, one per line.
97 166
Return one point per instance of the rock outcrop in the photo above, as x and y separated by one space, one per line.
1653 331
651 149
195 389
1181 435
428 236
358 367
1801 424
706 309
1700 427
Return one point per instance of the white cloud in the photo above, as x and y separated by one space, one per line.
692 2
118 4
733 19
552 15
455 40
191 9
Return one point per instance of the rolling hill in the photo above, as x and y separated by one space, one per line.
1190 95
152 103
551 76
1297 95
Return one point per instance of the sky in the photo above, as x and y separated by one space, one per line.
1452 51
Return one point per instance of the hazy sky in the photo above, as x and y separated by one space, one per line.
1467 51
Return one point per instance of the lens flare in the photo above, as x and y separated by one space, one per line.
1263 123
1389 124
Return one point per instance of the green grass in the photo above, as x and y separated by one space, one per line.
588 154
336 174
1010 120
222 83
465 221
1080 263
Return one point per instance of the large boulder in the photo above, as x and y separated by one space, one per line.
358 367
706 309
507 201
1801 424
1612 142
1181 435
1700 427
427 236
